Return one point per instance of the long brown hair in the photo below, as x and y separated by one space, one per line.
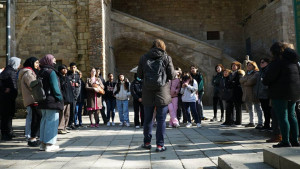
186 77
159 44
126 84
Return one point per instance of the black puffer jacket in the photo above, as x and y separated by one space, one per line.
9 80
216 80
66 89
136 89
161 96
282 77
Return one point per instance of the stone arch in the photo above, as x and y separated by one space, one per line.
39 12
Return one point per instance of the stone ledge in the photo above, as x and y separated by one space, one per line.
242 161
282 158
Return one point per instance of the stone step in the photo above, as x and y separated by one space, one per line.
242 161
282 158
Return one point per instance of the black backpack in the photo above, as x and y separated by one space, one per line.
155 73
37 89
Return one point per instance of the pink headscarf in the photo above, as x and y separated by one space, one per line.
47 60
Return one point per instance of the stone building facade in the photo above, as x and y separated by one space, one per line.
113 34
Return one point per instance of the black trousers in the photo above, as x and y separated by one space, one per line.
103 114
229 112
238 112
217 100
7 111
181 111
265 105
36 120
138 108
72 113
298 113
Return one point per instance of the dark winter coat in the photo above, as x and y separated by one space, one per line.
75 78
260 90
66 89
236 86
51 85
82 94
109 90
136 89
282 77
161 96
226 89
199 78
9 80
216 80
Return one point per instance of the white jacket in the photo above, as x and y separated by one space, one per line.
189 93
123 94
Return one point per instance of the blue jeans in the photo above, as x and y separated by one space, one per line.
28 122
111 107
192 106
49 126
78 113
161 113
123 110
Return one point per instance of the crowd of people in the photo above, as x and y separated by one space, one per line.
271 90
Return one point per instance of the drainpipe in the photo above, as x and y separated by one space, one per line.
8 33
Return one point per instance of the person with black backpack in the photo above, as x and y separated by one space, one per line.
156 69
68 95
8 95
136 92
50 106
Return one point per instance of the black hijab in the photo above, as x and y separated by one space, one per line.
30 63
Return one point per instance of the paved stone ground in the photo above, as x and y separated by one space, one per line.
119 147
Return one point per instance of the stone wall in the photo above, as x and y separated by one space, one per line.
3 33
56 27
194 18
265 25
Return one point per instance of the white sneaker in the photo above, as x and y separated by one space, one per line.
177 125
199 125
121 124
108 123
51 148
112 123
127 124
188 125
170 126
137 127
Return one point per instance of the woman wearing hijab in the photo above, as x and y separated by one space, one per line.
51 106
8 95
33 119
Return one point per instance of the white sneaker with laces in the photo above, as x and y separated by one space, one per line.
177 125
121 124
127 124
199 125
108 123
137 127
112 123
51 148
188 125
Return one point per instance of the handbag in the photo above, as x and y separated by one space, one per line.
98 89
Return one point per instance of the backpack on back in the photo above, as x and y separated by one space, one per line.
155 73
37 89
